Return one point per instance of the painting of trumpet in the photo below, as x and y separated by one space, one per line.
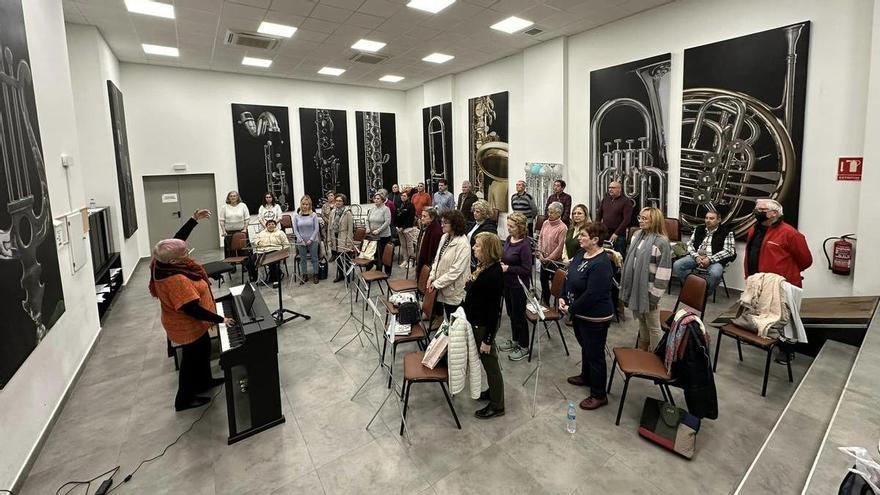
742 125
31 295
488 134
324 152
262 154
437 143
628 119
377 152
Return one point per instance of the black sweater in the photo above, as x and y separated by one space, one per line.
482 301
406 215
588 286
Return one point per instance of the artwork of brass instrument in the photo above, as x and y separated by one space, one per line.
492 158
374 159
640 165
721 161
276 177
483 117
436 149
326 161
27 206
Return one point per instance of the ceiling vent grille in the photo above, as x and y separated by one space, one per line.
368 58
534 31
250 40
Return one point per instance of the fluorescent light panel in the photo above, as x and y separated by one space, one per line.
148 7
512 24
438 58
432 6
168 51
391 78
256 62
368 46
273 29
331 71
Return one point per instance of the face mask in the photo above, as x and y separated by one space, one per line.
761 216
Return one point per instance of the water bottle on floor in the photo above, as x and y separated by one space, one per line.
571 422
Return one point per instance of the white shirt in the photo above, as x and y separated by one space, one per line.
271 213
234 218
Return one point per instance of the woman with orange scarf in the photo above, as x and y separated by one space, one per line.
183 290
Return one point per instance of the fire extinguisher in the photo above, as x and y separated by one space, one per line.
841 259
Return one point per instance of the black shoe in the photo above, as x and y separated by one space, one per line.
488 412
215 382
484 395
197 401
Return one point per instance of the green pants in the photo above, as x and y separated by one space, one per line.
493 370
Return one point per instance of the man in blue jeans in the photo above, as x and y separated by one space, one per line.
710 248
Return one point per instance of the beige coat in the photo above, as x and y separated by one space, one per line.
450 273
762 306
345 231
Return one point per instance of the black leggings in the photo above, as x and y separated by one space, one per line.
195 369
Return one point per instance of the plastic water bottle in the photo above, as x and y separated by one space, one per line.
571 423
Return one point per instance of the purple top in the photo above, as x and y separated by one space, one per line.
306 227
518 258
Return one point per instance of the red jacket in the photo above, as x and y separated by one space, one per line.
784 251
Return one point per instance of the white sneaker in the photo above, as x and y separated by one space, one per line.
506 346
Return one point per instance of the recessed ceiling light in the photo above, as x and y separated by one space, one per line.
391 78
331 71
256 62
273 29
149 7
438 58
432 6
512 24
168 51
368 46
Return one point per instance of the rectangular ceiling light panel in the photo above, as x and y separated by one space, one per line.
273 29
331 71
256 62
368 46
391 78
168 51
438 58
148 7
512 24
432 6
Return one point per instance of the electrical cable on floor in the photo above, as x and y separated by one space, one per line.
88 483
128 478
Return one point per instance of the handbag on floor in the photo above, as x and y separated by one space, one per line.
323 269
669 426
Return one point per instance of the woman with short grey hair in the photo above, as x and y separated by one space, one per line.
379 228
550 243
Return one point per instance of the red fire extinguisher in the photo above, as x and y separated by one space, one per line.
843 254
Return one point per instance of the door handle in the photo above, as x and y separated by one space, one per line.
176 213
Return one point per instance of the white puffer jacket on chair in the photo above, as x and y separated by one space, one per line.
462 356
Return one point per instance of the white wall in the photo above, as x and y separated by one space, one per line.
92 64
29 400
184 116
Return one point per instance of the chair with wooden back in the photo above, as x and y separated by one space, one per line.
239 246
693 295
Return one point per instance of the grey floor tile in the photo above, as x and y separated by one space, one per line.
380 467
490 467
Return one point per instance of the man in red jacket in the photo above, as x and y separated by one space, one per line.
774 246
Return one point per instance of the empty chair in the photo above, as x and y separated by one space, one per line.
415 372
239 246
753 339
551 314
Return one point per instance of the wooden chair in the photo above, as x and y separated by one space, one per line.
239 245
673 229
421 289
379 275
743 335
409 285
286 222
693 295
418 333
539 222
415 372
636 363
359 234
552 314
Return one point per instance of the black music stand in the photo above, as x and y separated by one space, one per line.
536 372
270 259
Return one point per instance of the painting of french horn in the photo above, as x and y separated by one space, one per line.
742 125
488 134
629 106
377 152
262 154
123 163
437 143
324 152
31 295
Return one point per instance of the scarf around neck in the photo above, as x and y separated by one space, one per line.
188 268
634 288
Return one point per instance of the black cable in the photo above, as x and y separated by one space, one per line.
111 472
128 478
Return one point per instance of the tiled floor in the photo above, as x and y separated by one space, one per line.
121 412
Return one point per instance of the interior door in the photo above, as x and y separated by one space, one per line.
197 191
162 197
171 199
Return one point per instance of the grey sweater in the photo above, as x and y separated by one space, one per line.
379 219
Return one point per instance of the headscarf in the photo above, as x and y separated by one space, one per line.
162 267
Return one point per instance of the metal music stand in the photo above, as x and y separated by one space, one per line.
346 260
359 289
267 260
530 297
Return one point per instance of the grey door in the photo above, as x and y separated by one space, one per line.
171 199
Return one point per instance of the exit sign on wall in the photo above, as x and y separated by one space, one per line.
849 168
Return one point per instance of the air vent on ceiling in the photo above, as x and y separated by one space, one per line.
534 31
367 58
250 40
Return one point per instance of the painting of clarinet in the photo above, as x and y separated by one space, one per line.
377 152
262 154
324 152
31 296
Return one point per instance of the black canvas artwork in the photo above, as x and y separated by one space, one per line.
377 152
629 105
437 143
123 164
324 153
743 125
487 132
31 295
262 154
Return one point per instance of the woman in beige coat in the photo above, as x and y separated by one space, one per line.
341 228
451 268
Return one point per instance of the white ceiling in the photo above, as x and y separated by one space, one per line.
328 28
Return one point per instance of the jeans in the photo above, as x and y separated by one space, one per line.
195 369
649 329
493 370
312 250
515 302
683 266
592 337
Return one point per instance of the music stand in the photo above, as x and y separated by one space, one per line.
530 298
267 260
359 289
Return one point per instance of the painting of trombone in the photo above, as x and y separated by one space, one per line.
437 141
